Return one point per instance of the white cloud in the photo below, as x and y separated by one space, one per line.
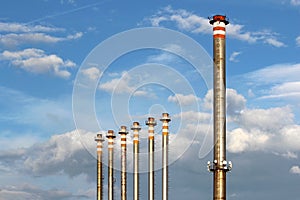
67 1
279 81
14 34
278 73
295 2
74 36
122 85
298 41
289 155
183 99
161 58
208 100
61 153
237 31
241 140
183 19
36 61
235 103
193 116
295 170
274 42
19 27
272 130
233 56
284 90
14 39
191 22
266 119
92 73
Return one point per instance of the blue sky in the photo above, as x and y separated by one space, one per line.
54 78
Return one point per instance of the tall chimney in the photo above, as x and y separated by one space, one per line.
123 132
136 128
151 123
110 135
220 166
165 147
99 139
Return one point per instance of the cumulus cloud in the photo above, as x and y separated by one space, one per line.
266 119
272 130
61 153
92 73
122 85
37 61
193 23
182 99
241 140
295 170
235 103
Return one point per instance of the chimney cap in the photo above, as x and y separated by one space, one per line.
99 138
220 18
110 134
151 121
123 130
135 126
165 117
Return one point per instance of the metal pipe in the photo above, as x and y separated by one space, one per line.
151 123
99 139
165 147
136 128
110 135
220 165
123 132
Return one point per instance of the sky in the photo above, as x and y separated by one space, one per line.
70 69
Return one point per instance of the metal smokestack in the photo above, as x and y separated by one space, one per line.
110 135
123 132
136 128
165 147
151 123
99 139
219 166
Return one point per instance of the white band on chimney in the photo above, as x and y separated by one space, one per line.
151 134
123 142
221 32
165 124
110 140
